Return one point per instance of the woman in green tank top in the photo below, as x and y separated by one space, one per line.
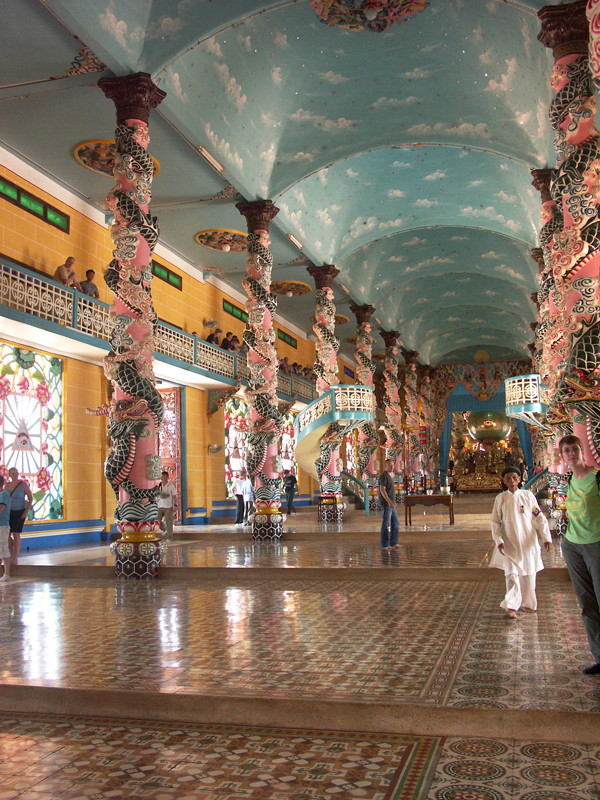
581 545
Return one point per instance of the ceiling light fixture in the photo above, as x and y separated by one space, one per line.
210 323
294 241
378 321
211 159
344 288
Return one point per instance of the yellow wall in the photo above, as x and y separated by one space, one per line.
87 495
31 241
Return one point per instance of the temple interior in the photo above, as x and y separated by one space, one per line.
261 244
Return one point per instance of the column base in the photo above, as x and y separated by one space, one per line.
374 507
331 509
267 526
137 559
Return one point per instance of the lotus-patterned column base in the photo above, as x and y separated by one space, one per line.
331 508
267 525
137 559
139 550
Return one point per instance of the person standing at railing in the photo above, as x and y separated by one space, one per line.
88 286
66 274
213 338
227 344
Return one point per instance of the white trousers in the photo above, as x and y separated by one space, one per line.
520 592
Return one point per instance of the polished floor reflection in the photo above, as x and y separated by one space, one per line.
318 617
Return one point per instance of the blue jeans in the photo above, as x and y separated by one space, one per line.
389 538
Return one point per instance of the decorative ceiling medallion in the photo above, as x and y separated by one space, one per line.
378 356
99 156
372 15
224 240
340 319
290 288
354 339
481 356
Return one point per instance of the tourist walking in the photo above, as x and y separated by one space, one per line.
238 493
21 501
165 505
390 523
581 543
248 495
5 554
289 484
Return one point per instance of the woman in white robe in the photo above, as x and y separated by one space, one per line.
517 524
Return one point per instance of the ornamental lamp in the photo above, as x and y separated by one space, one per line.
527 397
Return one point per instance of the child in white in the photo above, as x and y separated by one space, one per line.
517 522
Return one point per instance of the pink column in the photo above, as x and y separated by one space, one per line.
573 360
368 435
394 429
135 415
326 369
262 456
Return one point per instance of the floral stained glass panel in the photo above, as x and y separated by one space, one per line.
31 425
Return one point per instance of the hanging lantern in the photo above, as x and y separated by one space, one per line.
526 397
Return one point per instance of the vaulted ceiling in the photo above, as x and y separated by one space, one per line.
403 157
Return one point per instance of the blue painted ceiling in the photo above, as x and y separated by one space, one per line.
401 157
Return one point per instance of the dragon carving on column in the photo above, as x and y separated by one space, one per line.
266 423
571 336
391 399
326 370
368 441
136 411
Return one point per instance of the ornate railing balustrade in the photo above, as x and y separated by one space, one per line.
342 403
357 488
539 481
31 293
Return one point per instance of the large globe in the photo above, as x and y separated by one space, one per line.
488 426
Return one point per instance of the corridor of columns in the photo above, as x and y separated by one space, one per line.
317 666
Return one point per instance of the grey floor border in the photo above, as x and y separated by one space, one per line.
251 574
409 719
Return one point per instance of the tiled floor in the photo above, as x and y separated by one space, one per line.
339 636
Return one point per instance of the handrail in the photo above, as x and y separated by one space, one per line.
541 478
41 296
357 488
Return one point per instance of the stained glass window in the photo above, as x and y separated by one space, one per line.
288 443
350 450
31 425
236 422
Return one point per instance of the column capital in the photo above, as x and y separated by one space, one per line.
323 276
565 29
363 313
541 182
534 300
391 338
258 213
133 95
410 356
538 256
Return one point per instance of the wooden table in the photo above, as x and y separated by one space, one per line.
411 500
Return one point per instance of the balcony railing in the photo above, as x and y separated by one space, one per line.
42 297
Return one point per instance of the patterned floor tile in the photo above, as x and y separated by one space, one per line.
174 762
